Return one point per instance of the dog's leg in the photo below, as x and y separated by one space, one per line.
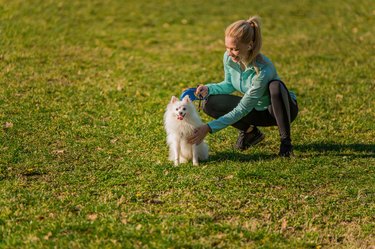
195 155
176 153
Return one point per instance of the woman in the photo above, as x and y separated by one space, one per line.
265 102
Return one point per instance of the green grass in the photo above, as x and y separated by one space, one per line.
83 157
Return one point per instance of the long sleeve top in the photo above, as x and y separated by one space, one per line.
253 86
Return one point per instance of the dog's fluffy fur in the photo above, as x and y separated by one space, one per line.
180 120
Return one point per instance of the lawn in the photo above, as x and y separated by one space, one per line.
83 155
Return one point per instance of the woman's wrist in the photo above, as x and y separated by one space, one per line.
209 128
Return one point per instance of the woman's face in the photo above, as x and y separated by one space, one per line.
237 51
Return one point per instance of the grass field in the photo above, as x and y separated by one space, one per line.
83 157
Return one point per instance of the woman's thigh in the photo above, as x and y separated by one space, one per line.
219 105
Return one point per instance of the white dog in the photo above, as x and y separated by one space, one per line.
180 120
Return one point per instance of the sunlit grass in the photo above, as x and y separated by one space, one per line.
83 157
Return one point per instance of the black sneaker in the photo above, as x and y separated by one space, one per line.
246 140
286 149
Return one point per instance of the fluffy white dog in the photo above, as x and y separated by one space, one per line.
180 120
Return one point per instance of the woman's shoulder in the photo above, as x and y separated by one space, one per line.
226 57
264 64
263 61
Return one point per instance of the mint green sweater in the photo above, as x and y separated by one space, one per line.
253 86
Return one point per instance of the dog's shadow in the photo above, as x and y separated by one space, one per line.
355 150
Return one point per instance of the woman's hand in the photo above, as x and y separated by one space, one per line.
199 134
201 90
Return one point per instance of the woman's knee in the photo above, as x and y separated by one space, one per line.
208 107
218 105
274 88
293 111
213 107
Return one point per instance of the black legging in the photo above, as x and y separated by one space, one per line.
219 105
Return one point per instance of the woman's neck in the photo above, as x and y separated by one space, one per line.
243 65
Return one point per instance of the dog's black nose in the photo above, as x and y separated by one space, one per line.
180 113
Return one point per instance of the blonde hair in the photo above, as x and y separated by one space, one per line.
248 32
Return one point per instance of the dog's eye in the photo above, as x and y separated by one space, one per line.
184 109
176 109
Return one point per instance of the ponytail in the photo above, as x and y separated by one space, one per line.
256 41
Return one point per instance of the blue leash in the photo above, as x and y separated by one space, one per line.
191 93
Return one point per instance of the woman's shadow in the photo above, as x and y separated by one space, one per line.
338 149
356 150
237 156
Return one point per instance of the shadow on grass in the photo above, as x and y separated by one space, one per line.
352 150
240 157
356 149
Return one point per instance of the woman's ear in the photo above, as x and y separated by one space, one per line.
250 46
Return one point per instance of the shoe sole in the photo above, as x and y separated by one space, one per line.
255 142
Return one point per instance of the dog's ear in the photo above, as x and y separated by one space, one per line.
186 99
174 99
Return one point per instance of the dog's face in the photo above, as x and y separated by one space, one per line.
181 109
